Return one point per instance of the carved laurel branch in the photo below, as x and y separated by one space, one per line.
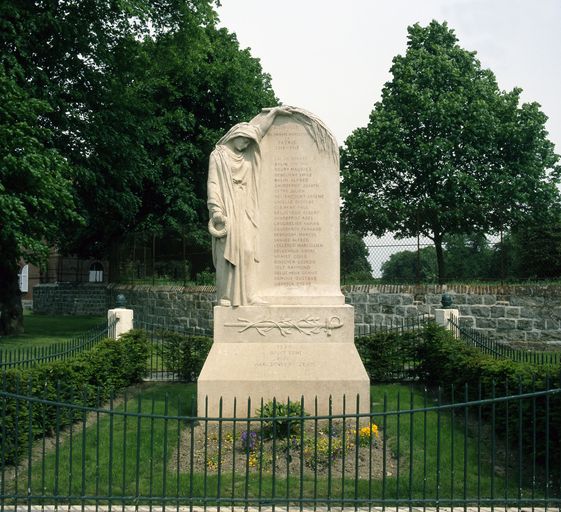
308 326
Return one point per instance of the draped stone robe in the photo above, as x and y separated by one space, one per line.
233 183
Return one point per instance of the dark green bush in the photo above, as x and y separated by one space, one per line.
87 379
389 356
278 416
445 362
184 354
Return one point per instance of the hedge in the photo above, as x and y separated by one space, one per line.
450 364
184 354
88 379
389 356
433 357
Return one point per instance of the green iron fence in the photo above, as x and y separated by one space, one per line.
177 352
499 350
33 356
414 449
395 324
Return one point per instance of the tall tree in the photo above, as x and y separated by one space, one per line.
469 257
139 92
354 257
445 151
536 246
410 266
35 194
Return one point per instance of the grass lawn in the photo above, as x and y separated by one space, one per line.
43 330
426 455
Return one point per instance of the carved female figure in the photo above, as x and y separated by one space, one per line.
233 203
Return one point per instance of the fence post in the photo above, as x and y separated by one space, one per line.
442 316
122 317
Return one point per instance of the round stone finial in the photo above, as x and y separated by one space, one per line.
120 301
446 301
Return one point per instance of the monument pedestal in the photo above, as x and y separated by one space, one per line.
283 352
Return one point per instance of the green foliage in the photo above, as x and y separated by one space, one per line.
445 360
278 421
389 356
536 247
446 152
470 256
354 256
408 266
320 452
184 354
35 191
466 257
139 92
449 363
205 277
87 379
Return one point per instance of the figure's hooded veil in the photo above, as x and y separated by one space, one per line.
222 158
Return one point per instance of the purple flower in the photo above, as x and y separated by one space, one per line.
248 439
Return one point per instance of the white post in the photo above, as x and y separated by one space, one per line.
442 317
124 323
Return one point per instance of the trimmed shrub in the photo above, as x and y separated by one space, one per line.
445 362
389 356
184 354
87 379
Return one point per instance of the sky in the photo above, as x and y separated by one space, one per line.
333 58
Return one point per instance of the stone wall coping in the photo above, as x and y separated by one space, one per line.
163 288
536 290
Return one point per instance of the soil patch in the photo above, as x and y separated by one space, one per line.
321 449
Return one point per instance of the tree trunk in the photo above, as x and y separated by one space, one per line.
440 258
11 310
114 274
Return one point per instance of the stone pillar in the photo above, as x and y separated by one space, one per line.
124 323
442 317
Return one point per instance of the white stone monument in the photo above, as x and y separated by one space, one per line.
281 326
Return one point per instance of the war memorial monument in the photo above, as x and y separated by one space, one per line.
281 326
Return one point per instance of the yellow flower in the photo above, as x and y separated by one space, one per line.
252 460
365 433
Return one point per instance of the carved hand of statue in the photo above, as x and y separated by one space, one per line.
218 225
282 110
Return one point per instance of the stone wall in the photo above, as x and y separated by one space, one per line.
517 314
70 299
170 305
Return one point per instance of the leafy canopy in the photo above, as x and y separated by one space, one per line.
35 181
445 151
36 200
139 92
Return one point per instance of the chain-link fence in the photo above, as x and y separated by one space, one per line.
168 258
148 258
491 258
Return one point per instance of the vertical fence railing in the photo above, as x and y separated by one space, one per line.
414 449
394 324
32 356
498 350
176 353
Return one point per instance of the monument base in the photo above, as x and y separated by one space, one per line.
291 352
